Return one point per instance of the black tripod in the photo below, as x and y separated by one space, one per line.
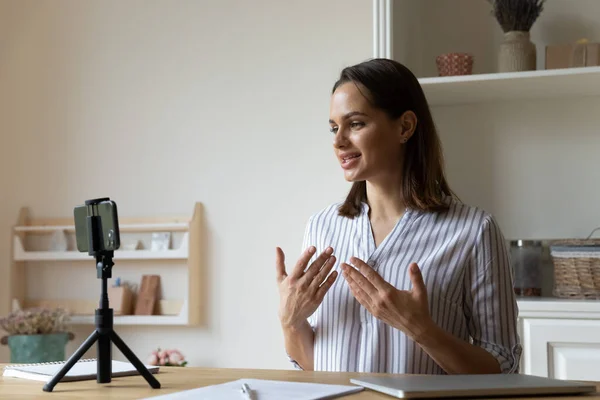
104 332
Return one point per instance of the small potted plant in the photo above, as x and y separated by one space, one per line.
36 335
516 17
167 358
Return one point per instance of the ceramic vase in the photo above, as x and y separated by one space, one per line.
26 349
517 53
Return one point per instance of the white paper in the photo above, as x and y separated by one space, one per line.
263 390
83 369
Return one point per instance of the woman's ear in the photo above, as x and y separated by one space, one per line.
408 124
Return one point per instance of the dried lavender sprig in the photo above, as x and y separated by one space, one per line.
516 15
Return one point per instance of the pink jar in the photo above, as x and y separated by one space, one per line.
451 64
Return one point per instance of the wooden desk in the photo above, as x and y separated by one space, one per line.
174 379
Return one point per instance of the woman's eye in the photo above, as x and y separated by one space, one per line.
333 130
356 125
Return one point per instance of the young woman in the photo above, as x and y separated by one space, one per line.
426 283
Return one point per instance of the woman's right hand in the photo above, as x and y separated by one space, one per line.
303 290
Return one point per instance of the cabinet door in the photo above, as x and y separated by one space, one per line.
561 348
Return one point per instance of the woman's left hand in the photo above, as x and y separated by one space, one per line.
407 311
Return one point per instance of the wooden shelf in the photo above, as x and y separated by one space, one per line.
543 84
31 244
179 254
132 320
82 312
158 227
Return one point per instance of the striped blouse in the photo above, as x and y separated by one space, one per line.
466 268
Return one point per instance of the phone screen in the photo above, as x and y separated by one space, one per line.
107 211
80 215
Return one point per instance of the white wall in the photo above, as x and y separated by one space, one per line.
160 105
408 18
534 165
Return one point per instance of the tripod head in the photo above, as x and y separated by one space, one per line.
97 232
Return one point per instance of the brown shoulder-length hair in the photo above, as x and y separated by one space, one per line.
391 87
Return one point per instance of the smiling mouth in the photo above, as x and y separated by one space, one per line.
347 159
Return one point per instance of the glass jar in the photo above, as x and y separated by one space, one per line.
526 257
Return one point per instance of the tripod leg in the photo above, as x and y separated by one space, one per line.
85 346
104 371
134 360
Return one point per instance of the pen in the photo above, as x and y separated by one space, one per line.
247 392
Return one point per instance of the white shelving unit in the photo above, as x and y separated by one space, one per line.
510 135
189 251
512 86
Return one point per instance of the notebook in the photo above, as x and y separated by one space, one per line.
263 390
84 369
464 386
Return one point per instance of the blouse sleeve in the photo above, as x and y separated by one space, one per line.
306 241
490 302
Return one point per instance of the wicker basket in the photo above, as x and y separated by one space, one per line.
576 268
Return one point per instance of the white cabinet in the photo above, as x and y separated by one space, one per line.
561 339
562 348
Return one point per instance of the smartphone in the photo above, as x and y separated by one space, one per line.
108 236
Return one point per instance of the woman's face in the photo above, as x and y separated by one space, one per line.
367 143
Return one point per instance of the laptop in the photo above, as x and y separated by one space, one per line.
492 385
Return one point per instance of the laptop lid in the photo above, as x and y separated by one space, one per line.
432 386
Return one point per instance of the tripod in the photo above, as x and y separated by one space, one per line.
104 333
